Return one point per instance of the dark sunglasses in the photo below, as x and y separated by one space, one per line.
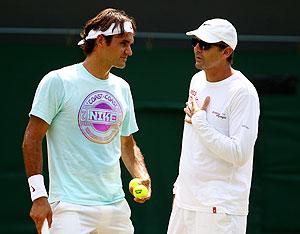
206 46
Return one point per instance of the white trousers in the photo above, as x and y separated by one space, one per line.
184 221
77 219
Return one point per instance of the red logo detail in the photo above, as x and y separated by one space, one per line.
214 210
33 189
193 92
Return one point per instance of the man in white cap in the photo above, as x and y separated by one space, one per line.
88 116
211 193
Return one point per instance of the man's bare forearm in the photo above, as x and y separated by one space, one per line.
32 153
32 146
139 166
134 159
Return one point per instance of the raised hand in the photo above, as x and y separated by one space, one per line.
192 107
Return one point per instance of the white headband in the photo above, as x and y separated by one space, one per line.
93 34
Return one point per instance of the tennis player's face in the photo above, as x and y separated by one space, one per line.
120 49
208 58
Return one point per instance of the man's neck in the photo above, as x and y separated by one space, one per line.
97 67
218 73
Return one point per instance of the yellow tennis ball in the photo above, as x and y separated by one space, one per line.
140 191
134 182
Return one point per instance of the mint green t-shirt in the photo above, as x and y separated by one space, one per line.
86 117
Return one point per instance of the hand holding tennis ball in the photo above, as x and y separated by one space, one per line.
139 190
133 183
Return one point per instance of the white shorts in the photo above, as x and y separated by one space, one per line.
184 221
77 219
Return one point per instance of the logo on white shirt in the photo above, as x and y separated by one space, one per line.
219 115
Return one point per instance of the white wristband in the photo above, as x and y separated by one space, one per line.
37 187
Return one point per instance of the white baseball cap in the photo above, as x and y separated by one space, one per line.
216 30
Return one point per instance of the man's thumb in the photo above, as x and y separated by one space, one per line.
206 103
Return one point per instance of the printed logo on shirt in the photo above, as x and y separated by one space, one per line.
219 115
100 117
245 126
193 93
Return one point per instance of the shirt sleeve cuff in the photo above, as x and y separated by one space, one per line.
199 118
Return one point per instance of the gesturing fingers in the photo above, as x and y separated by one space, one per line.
188 119
192 107
195 107
188 111
205 103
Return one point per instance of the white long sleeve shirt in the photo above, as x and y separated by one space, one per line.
217 148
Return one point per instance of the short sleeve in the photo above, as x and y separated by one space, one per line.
48 97
129 125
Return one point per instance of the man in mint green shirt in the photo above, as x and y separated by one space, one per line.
87 115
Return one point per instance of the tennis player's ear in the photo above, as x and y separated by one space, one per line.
228 51
100 40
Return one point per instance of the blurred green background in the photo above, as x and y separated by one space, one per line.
159 73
